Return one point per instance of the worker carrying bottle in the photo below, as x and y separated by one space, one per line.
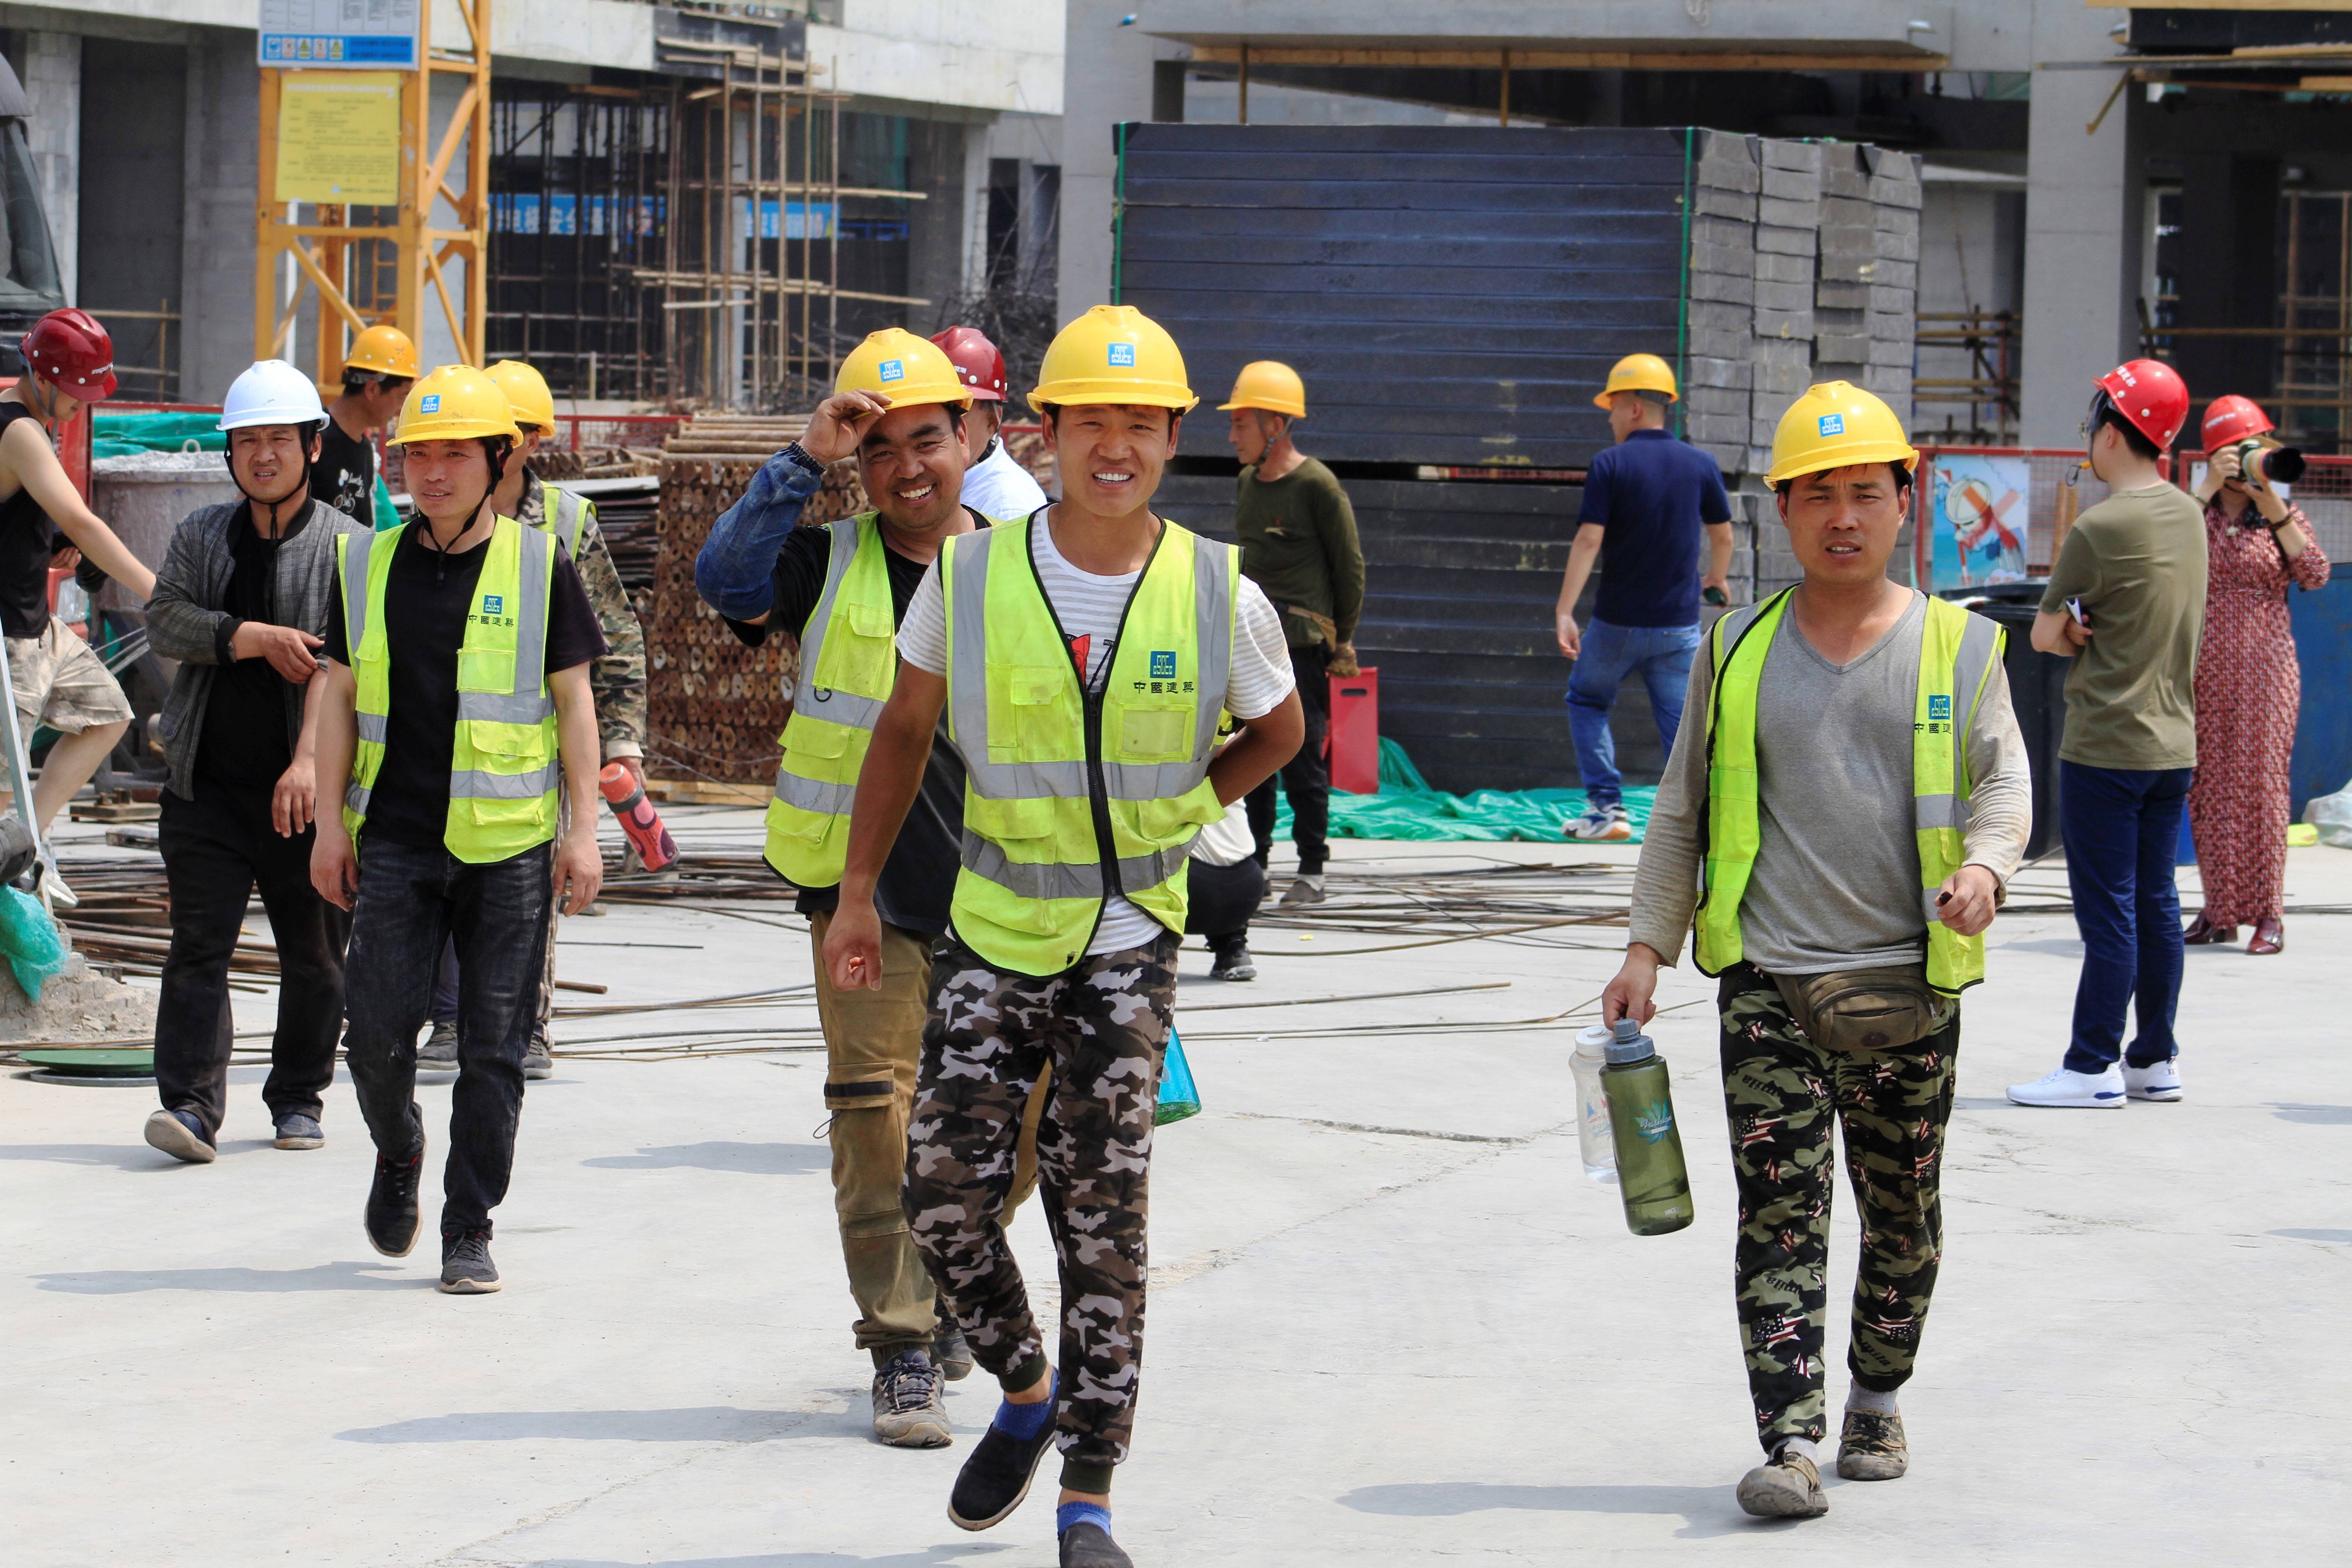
1082 658
1857 803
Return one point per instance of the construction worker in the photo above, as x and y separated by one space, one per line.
58 681
459 648
1298 542
1082 658
2125 602
1646 500
897 406
994 484
242 604
377 375
617 680
1861 802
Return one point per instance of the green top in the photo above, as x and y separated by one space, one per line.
2136 561
1299 543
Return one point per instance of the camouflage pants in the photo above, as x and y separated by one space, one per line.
1785 1097
1100 1027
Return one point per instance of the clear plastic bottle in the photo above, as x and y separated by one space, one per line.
1652 1179
1592 1137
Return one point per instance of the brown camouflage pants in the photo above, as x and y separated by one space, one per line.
1786 1097
1100 1027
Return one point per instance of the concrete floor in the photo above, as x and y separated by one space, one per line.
1391 1321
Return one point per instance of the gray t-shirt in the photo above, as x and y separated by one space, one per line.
1836 881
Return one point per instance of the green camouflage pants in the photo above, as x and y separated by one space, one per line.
1785 1097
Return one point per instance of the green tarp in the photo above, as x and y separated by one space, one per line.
128 435
1408 809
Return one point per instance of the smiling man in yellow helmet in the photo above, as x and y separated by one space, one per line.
1083 658
1851 809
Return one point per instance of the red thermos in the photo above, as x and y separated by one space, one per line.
656 848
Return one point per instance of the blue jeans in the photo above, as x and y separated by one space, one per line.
412 901
2122 827
1663 656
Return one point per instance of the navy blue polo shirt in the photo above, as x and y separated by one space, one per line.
1652 493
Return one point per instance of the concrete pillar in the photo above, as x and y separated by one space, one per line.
2229 271
1107 78
53 82
2083 204
938 166
216 247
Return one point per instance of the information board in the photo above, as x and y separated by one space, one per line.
339 137
352 35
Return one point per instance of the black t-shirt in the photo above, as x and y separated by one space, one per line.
28 539
426 600
918 881
245 742
345 476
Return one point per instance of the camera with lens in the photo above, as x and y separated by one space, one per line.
2258 459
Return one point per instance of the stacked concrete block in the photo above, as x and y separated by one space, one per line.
1867 292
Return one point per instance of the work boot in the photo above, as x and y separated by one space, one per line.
439 1052
1307 888
1871 1446
950 1351
536 1062
392 1203
908 1410
1602 825
1089 1545
179 1134
466 1265
296 1131
1786 1486
1234 962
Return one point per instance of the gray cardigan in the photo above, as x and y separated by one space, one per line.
186 619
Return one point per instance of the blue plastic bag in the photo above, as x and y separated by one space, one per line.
1179 1097
36 952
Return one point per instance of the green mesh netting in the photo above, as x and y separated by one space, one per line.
1408 809
128 435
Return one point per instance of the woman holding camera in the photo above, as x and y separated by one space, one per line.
2249 686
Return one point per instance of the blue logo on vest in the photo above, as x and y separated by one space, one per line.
1939 710
429 404
1122 353
494 604
1163 666
1833 423
894 370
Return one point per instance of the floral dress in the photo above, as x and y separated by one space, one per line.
2248 688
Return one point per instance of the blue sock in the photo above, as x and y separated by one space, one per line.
1025 1421
1075 1513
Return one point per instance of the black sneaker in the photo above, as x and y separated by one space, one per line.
392 1203
439 1052
179 1134
996 1478
908 1410
1234 962
950 1351
296 1131
536 1062
1088 1545
466 1265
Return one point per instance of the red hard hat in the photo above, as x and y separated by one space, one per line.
978 363
72 351
2151 394
2232 418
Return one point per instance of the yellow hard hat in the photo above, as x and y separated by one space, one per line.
455 402
386 351
904 368
526 392
1113 354
1638 373
1837 424
1269 384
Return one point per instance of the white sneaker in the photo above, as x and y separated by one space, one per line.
2161 1081
2075 1090
1602 825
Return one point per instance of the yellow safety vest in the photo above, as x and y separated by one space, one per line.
502 768
1958 652
849 663
1070 796
565 515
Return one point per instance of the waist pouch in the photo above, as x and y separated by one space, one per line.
1865 1009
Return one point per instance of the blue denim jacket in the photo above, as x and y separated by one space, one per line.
735 571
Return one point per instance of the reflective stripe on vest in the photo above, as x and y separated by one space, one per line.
848 665
1957 655
503 759
1036 867
564 515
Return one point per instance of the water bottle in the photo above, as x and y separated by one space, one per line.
656 848
1592 1136
1649 1171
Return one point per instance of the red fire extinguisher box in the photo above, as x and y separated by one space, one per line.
1356 732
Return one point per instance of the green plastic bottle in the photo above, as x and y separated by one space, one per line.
1651 1176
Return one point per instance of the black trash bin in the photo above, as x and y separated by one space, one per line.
2037 689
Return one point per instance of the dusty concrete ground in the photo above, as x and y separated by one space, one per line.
1391 1321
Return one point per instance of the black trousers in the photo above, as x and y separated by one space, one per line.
1223 900
1306 777
216 850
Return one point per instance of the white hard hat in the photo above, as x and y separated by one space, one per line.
272 392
